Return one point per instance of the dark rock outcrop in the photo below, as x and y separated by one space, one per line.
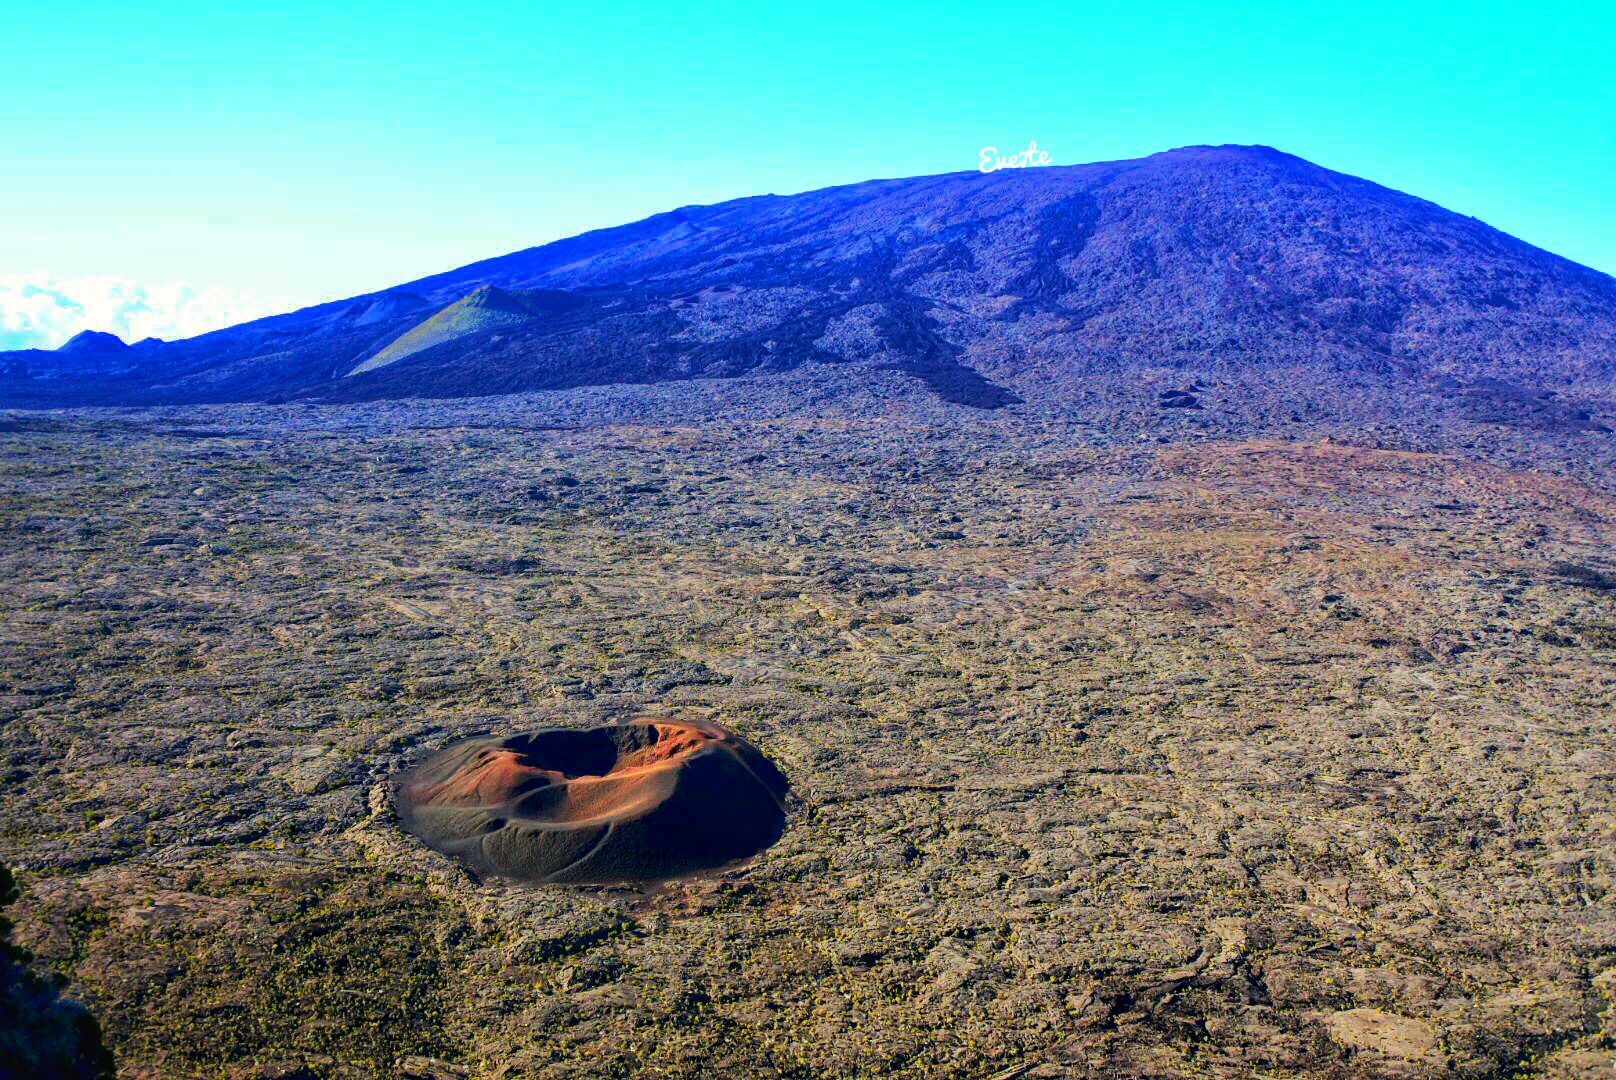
42 1034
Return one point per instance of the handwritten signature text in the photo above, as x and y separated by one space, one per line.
993 161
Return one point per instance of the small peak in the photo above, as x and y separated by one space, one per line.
93 341
492 297
379 307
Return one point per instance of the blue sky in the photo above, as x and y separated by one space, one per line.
321 151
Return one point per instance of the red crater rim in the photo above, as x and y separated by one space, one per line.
642 801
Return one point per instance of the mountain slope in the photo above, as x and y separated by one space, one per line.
987 287
485 308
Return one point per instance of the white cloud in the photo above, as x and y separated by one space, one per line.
40 311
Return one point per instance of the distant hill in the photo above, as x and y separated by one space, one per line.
92 343
990 288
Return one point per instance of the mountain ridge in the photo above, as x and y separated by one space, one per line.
987 287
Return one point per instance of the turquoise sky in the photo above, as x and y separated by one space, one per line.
323 150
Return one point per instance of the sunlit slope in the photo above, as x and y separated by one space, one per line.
485 308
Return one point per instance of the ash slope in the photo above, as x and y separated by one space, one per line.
987 287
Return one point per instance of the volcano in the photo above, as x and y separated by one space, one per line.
991 289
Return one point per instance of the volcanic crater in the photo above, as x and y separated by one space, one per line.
642 801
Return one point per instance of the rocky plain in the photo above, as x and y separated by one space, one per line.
1269 737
